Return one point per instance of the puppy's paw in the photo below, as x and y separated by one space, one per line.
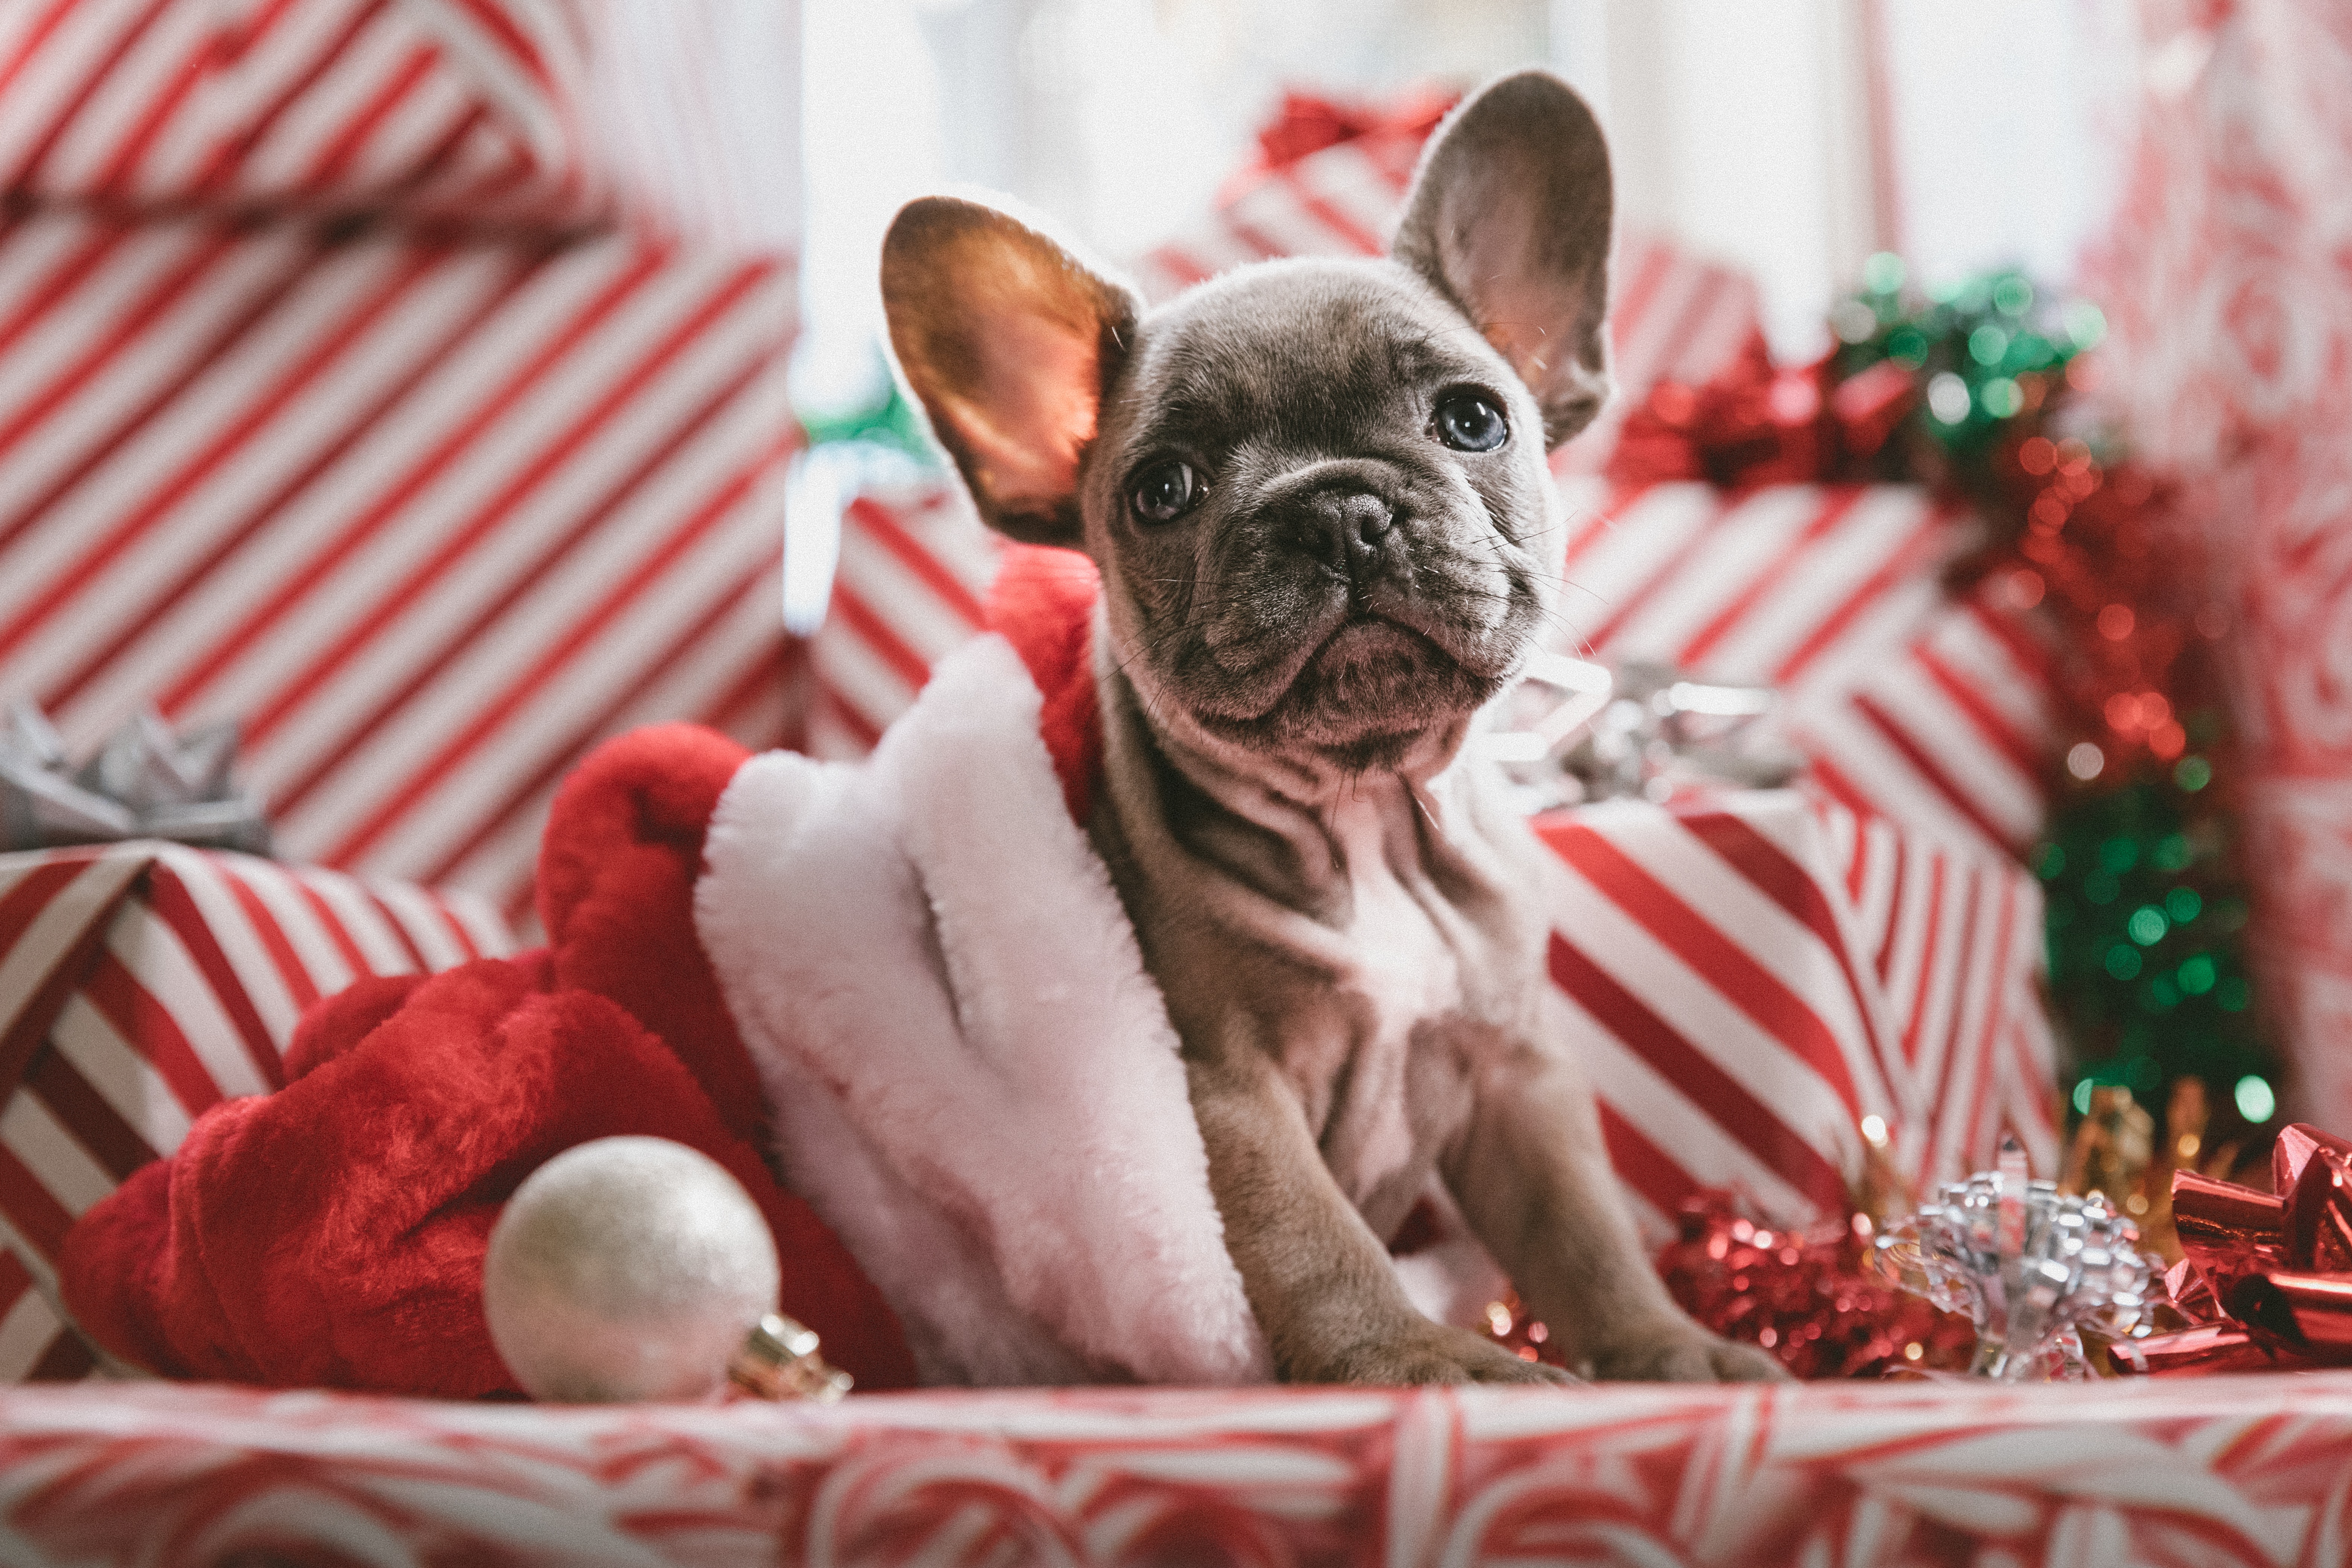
1430 1352
1684 1353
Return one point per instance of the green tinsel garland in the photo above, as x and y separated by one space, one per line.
2145 891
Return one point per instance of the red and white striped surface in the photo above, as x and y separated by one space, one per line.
429 519
2227 273
468 109
913 578
1749 976
2223 1472
141 983
1672 315
1910 705
1955 941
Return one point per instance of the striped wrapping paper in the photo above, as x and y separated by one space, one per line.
542 114
141 983
2215 1472
465 109
2212 1472
1747 976
428 518
915 567
1954 939
1933 711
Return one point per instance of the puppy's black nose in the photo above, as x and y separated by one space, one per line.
1348 529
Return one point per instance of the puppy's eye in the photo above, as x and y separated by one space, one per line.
1468 422
1165 491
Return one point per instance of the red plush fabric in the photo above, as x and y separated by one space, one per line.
616 873
1042 603
332 1234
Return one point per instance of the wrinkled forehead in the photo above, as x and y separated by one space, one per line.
1307 350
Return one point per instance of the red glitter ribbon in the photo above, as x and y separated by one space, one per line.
1809 1297
2267 1280
1755 425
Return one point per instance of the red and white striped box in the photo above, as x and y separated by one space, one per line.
1935 711
911 585
2223 1472
474 109
427 518
1748 977
140 985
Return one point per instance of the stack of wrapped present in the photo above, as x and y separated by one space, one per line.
378 383
371 384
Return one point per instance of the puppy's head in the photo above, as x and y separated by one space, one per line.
1317 490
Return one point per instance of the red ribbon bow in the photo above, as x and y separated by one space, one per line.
1755 425
2270 1274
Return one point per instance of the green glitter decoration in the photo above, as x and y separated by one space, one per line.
2145 898
2145 922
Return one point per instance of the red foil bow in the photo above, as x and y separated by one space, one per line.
1755 425
2269 1275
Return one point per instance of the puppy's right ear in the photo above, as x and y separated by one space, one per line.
1508 217
1009 339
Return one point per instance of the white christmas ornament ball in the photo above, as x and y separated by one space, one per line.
626 1269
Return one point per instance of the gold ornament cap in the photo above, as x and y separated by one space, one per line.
779 1360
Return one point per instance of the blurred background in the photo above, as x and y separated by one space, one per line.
1793 138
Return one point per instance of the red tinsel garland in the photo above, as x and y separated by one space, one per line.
1809 1297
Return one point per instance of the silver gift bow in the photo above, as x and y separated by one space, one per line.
1582 731
2030 1268
144 781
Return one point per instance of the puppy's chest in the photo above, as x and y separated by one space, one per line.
1407 967
1385 1069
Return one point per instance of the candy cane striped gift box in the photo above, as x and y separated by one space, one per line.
540 113
466 109
1954 938
2223 1472
914 569
427 518
1909 704
141 983
1748 977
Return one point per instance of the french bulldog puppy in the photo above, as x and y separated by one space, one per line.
1318 494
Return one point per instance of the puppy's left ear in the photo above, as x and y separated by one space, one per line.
1009 339
1508 217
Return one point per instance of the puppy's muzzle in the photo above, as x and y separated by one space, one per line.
1346 528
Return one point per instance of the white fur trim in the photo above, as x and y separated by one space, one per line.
973 1077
